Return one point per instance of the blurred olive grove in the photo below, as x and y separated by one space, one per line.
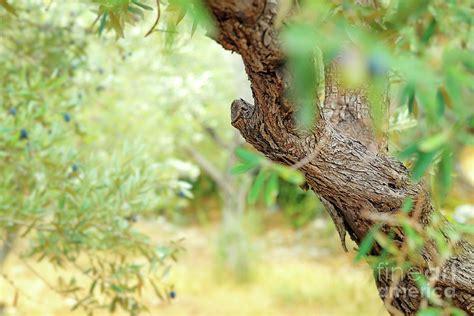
97 135
108 139
63 186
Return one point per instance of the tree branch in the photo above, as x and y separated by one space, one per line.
209 168
351 171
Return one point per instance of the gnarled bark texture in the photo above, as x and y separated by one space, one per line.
344 164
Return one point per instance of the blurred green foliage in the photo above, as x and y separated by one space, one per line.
74 191
75 206
278 187
427 48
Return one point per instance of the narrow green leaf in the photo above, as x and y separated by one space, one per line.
136 11
118 288
410 90
454 88
444 175
425 288
367 243
257 187
440 241
430 30
465 229
103 22
290 175
242 168
295 177
271 190
413 238
407 205
433 142
247 155
180 16
421 165
62 202
408 152
143 6
441 103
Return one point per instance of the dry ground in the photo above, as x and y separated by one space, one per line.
293 275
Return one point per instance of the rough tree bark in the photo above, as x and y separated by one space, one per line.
344 164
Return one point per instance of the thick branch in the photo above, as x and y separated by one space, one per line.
349 168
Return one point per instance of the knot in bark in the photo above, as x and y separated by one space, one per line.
241 112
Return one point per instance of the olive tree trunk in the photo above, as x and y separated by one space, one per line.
343 162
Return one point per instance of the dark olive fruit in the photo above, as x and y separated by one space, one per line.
23 133
376 66
67 117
